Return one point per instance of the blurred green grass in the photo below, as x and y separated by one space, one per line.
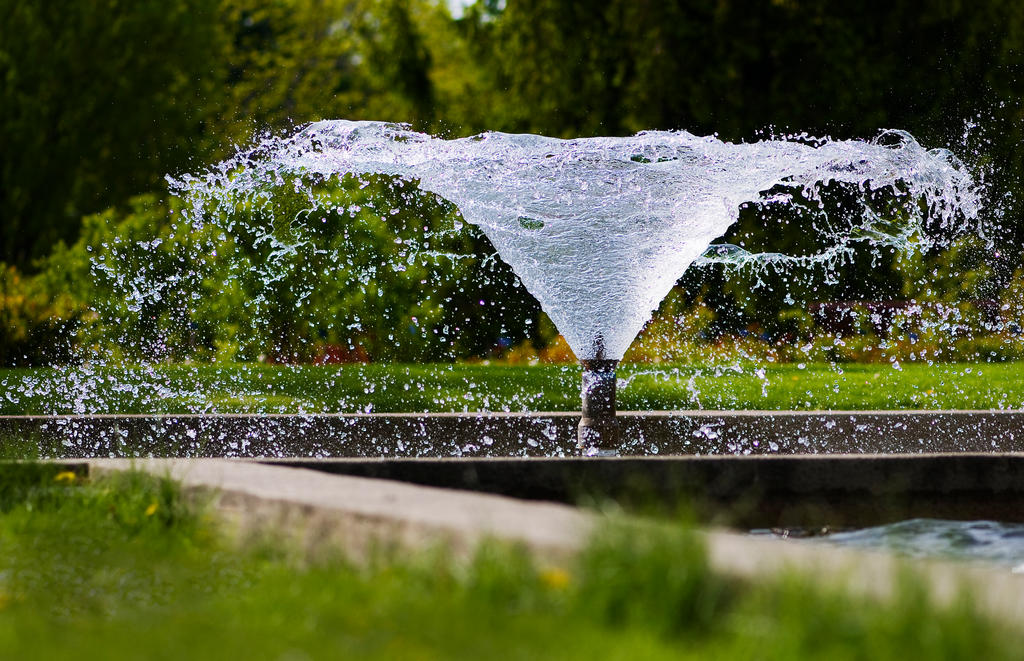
478 387
125 567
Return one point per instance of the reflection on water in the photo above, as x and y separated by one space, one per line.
987 541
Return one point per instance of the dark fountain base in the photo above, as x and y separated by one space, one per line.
599 429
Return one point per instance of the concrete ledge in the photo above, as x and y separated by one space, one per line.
806 491
358 512
517 434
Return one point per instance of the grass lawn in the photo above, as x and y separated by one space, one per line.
123 568
465 387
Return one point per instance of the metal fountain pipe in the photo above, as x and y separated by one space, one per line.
598 432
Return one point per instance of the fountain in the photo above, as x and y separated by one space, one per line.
600 229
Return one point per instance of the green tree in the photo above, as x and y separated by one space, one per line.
295 61
97 102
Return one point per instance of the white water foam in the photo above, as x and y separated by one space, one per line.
600 229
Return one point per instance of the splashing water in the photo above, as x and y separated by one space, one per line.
600 229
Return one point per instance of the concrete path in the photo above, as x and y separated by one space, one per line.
358 513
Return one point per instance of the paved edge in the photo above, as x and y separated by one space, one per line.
790 491
361 513
517 434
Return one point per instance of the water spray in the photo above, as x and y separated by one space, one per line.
599 230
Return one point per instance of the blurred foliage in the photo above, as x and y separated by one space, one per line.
128 566
35 326
99 101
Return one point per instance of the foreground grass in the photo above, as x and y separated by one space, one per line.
462 387
122 568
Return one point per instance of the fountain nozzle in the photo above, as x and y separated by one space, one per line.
599 430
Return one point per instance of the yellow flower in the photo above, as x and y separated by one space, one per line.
65 476
151 510
555 578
